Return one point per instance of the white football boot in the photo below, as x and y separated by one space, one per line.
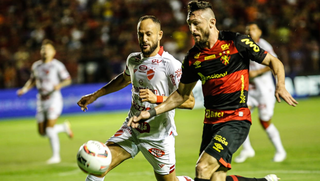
272 177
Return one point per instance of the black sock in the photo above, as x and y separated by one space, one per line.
200 179
240 178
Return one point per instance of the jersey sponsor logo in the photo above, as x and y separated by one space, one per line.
196 56
210 57
254 46
150 74
214 114
156 61
225 47
214 76
142 68
221 139
161 165
143 127
242 96
156 152
197 64
218 147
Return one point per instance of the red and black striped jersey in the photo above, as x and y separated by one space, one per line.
224 72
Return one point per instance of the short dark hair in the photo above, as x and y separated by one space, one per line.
198 5
260 25
47 42
153 18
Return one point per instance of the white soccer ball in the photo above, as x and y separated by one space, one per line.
94 157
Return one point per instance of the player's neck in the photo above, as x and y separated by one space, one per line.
213 38
47 60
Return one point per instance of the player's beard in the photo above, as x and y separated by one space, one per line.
150 51
203 40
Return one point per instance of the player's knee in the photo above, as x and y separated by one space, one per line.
202 168
265 124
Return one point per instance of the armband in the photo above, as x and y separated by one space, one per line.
159 99
152 112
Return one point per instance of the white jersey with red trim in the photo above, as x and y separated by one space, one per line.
264 80
47 75
160 74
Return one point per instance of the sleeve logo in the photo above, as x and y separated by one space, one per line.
254 46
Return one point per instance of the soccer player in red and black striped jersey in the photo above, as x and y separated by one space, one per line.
220 59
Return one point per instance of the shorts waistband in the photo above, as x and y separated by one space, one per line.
213 116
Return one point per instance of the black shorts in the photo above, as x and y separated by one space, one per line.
222 140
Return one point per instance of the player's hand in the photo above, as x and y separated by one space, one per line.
85 101
134 121
147 95
20 92
281 92
253 73
57 87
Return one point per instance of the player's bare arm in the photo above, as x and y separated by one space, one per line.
277 69
119 82
64 83
256 73
29 85
147 95
178 97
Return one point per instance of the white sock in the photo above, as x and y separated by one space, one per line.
59 128
94 178
184 178
54 141
247 145
274 136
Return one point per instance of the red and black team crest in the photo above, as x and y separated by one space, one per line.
225 59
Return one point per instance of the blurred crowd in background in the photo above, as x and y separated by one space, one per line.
94 37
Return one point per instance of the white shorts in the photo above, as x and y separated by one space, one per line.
50 108
263 101
160 154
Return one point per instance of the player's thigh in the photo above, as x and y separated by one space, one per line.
118 154
122 146
53 109
160 154
206 165
41 128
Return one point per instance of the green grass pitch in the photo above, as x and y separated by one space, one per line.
23 152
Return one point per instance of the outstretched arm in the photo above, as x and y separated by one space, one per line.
173 101
147 95
277 69
29 85
64 83
119 82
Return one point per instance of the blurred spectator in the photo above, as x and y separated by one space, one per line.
95 36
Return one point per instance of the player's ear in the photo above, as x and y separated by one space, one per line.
160 35
212 22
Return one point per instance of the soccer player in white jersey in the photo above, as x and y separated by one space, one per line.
154 75
49 75
261 95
